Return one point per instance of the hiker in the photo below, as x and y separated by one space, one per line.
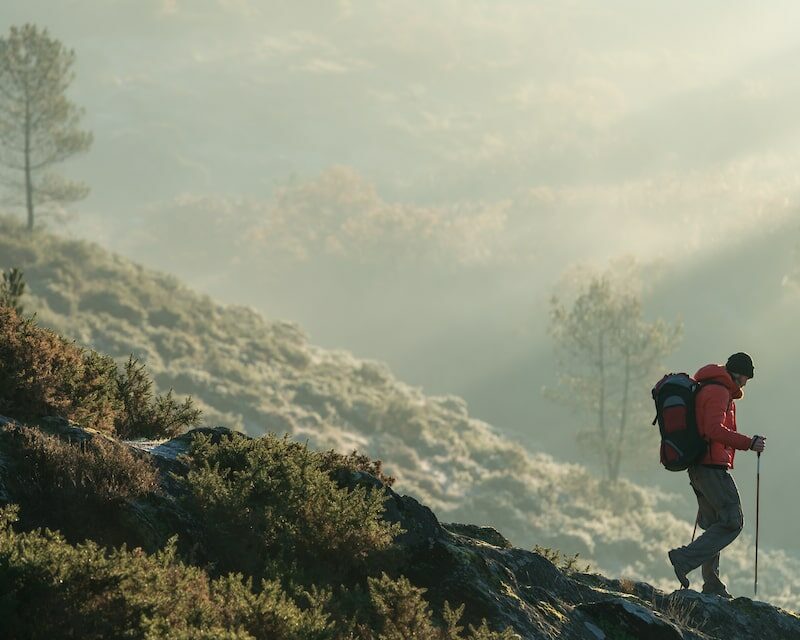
719 505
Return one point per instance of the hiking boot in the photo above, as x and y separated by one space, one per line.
680 574
721 592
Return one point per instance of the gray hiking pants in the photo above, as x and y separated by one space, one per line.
719 515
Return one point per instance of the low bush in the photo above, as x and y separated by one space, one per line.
43 374
90 489
12 286
397 611
51 589
145 414
87 592
96 471
335 463
269 507
564 562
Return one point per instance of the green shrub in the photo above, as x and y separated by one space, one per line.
397 610
270 508
12 287
94 489
97 471
335 463
143 413
564 562
50 589
43 374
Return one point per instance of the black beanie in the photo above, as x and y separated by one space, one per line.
740 363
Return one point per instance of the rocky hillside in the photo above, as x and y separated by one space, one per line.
259 376
519 593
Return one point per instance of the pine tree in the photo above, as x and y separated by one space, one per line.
38 124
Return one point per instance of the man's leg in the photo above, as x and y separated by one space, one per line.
707 516
711 581
721 513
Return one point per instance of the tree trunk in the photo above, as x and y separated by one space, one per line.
28 178
622 421
601 416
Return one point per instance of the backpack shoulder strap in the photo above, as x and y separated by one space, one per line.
707 383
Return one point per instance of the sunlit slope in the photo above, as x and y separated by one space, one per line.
260 376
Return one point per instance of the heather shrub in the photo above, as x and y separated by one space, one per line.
51 589
337 463
269 508
12 286
145 414
88 489
43 374
397 610
95 471
84 591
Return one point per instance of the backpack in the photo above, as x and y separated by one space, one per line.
681 442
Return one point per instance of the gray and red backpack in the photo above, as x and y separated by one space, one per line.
681 442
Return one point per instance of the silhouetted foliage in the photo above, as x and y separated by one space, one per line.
397 610
143 413
354 462
11 289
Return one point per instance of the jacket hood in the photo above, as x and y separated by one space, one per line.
718 373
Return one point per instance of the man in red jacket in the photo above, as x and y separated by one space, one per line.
719 505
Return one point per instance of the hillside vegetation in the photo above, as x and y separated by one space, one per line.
128 552
259 376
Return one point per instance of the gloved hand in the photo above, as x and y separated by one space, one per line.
758 443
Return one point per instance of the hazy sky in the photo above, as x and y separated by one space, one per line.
601 112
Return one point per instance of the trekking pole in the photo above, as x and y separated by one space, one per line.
696 520
758 495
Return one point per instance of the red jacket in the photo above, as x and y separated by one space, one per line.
716 416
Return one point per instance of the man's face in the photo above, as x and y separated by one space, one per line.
740 379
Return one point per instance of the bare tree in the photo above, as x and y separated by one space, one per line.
38 124
608 359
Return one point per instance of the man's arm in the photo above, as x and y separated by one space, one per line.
713 404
